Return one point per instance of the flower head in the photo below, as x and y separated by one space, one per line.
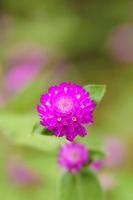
64 110
73 157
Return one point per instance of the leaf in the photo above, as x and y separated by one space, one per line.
96 154
96 92
40 130
18 128
80 186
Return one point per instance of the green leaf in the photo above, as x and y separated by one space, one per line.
96 92
80 186
40 130
96 154
18 128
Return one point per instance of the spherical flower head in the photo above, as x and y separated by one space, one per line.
73 157
64 110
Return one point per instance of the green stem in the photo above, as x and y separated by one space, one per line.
79 186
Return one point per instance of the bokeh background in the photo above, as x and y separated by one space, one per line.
45 42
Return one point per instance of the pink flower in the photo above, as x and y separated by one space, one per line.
73 157
96 165
64 110
20 76
107 181
115 152
25 62
19 174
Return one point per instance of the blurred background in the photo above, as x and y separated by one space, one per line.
46 42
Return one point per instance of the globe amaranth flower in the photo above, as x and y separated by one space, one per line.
64 110
73 157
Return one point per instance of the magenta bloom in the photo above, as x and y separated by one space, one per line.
64 110
73 157
97 165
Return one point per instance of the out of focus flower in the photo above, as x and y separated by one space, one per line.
20 76
115 152
65 108
20 175
107 181
25 63
120 43
97 165
72 157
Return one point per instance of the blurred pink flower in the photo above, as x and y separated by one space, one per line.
73 157
20 76
107 181
120 43
20 175
115 151
97 165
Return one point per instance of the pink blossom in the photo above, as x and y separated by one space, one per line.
20 174
115 152
64 110
73 157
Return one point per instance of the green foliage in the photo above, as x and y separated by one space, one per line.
80 186
18 128
123 186
96 91
96 154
